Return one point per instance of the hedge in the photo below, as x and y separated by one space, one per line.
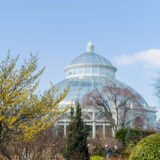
130 135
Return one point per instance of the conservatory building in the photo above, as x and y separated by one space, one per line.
88 72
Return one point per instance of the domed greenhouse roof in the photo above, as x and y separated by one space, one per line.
79 87
91 58
87 72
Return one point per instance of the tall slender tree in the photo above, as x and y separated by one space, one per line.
76 140
69 138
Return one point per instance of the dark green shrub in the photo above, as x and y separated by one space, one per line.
98 151
130 135
147 149
121 134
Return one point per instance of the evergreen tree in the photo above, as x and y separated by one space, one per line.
76 140
69 138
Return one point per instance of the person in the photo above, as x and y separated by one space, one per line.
116 151
108 151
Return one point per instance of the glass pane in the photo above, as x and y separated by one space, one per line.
99 131
107 71
108 131
75 71
80 70
70 72
102 71
88 130
87 70
94 70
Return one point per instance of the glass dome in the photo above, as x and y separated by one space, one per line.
87 72
79 87
90 64
91 59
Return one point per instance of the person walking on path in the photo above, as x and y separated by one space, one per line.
116 152
108 152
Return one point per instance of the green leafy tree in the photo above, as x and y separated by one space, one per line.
76 140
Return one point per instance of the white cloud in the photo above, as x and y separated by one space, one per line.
150 58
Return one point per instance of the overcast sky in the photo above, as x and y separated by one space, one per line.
126 32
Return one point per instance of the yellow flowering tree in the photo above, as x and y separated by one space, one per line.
24 114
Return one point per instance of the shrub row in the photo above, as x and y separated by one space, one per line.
130 135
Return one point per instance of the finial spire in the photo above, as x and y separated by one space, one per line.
90 47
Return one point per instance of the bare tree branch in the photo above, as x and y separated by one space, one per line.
120 106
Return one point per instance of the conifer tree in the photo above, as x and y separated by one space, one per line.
76 140
69 138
